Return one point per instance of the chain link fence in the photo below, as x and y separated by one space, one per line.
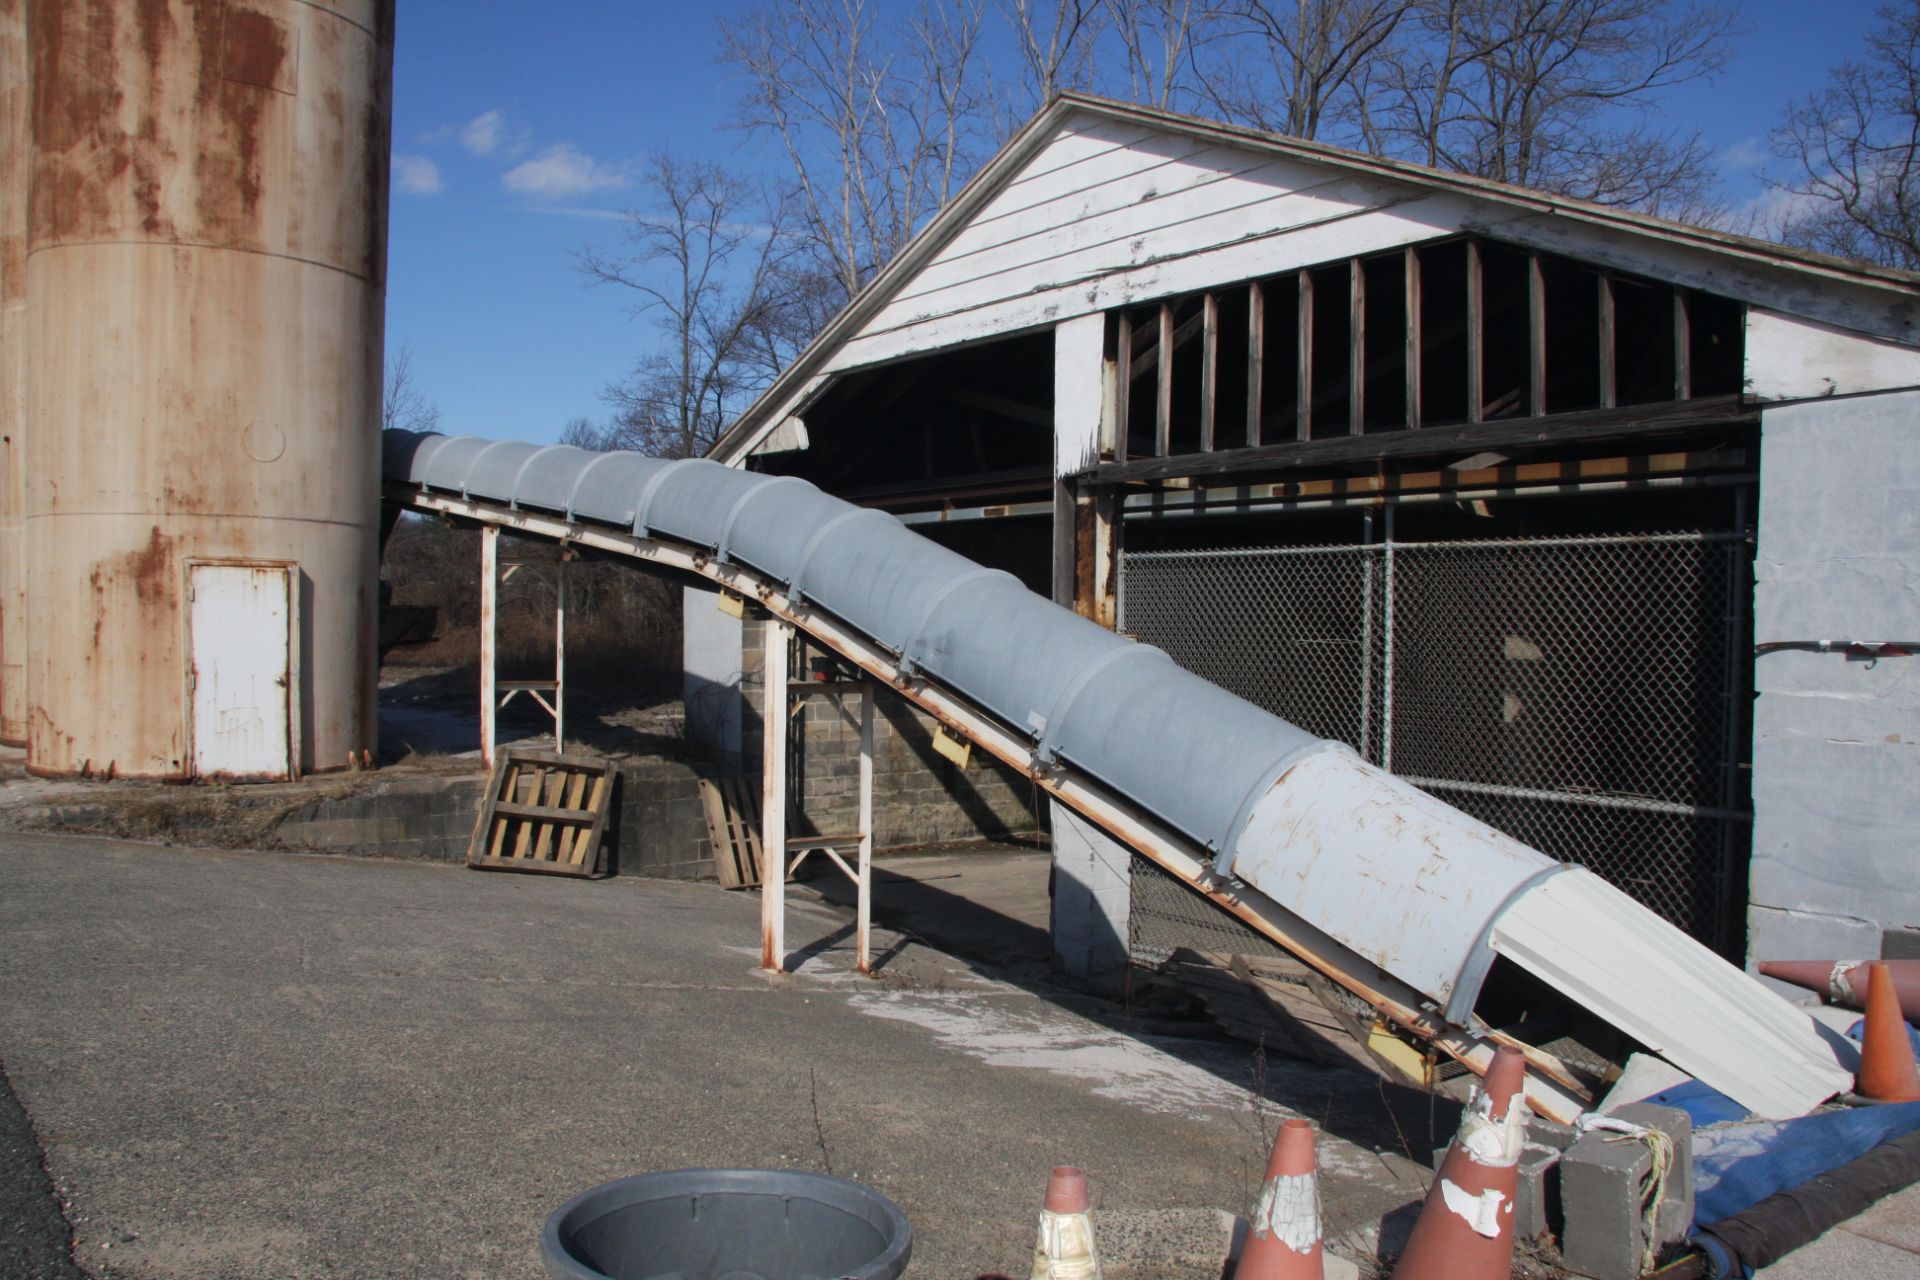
1582 694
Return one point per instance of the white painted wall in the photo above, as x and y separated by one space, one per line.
1092 898
1789 358
1836 751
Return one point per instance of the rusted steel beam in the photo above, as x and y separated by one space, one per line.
776 635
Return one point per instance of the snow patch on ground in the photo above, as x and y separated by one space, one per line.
1124 1068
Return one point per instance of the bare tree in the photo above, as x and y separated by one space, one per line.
403 406
1056 40
1286 65
1158 39
706 267
1855 151
1551 94
584 433
880 125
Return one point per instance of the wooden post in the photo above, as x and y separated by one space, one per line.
489 611
1097 533
1163 399
1209 362
864 906
1256 357
1081 394
1476 335
1357 347
1413 337
773 796
1609 377
1536 337
1122 384
1682 347
1303 387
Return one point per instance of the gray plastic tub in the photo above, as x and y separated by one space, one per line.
727 1224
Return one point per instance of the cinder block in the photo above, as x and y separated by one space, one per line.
1676 1200
1600 1180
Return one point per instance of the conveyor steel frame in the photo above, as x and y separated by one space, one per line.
1551 1088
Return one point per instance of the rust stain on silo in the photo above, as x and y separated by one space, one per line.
208 178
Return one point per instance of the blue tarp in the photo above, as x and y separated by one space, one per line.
1738 1163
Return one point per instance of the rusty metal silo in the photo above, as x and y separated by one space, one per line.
206 272
13 365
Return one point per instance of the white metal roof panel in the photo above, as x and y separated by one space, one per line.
1600 948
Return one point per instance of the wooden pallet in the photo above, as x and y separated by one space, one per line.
732 806
544 813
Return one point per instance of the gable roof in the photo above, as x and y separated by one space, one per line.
1734 256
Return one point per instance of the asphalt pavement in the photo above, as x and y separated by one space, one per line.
251 1065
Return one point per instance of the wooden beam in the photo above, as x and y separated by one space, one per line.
1256 357
1476 335
1536 337
1145 362
998 406
1560 428
1163 399
1609 377
1682 347
1413 337
1122 381
1209 366
1303 386
1357 347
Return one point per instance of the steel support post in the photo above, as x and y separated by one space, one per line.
560 656
489 617
777 634
864 907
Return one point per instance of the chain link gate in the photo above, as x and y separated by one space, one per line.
1582 694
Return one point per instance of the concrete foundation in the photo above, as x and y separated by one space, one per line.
1092 898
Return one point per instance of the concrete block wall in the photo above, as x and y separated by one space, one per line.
657 828
1836 740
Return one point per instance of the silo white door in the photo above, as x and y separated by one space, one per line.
238 620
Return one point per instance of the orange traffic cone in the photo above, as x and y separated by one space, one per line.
1887 1070
1465 1229
1284 1240
1065 1250
1844 982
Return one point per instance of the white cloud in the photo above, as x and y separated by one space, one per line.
561 170
481 135
416 175
1744 156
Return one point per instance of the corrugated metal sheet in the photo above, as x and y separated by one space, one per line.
1583 937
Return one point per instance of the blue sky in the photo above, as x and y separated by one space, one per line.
518 130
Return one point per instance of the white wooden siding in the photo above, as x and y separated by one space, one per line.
1113 213
1792 359
1167 264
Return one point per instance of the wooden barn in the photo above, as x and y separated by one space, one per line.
1602 528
